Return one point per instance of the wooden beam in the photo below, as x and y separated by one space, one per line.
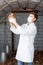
22 10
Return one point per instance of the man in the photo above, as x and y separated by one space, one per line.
25 50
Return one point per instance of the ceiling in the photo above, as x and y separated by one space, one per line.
8 5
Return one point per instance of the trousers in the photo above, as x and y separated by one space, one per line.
22 63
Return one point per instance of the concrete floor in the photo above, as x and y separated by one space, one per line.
11 60
14 62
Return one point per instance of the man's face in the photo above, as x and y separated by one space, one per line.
32 16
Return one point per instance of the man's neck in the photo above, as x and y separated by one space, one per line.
30 23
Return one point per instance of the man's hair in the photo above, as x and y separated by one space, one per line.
35 14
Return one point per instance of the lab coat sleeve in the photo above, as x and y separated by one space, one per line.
18 30
21 30
14 30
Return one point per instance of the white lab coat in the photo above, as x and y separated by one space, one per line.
25 50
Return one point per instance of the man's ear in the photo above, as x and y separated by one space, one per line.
34 18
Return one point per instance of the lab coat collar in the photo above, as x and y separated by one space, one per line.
30 24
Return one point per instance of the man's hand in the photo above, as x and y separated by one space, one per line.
11 15
12 20
12 25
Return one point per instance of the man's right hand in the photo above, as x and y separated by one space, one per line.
12 18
